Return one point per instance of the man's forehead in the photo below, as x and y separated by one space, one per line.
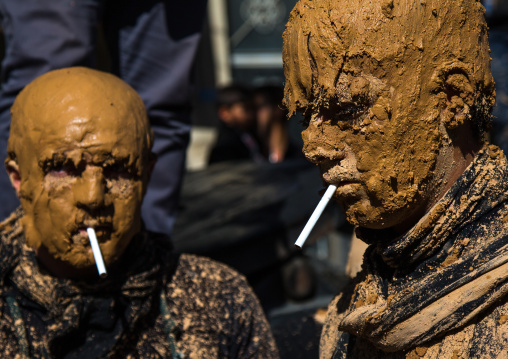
347 29
332 85
409 40
80 126
94 135
64 97
323 42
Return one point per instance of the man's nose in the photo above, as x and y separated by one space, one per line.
317 149
90 189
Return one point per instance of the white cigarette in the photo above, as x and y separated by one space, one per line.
99 262
315 215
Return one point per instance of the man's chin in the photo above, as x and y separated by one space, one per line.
74 264
369 217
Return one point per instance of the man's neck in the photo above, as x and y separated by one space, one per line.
452 161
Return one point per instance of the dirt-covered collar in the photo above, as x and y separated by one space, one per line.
459 250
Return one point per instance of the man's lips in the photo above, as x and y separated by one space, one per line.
102 231
345 189
98 229
342 183
339 179
345 183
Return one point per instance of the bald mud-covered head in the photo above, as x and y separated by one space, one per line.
78 156
385 85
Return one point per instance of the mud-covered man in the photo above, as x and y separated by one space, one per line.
397 96
79 157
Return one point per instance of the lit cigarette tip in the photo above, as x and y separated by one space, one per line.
315 215
96 250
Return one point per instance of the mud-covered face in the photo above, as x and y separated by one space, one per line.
82 162
377 146
373 79
81 184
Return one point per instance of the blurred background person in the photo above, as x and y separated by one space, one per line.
237 134
272 124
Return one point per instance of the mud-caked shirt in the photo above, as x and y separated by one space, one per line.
440 290
153 304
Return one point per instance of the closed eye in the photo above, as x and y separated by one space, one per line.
119 169
62 168
352 114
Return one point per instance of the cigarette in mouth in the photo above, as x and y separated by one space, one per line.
315 215
101 268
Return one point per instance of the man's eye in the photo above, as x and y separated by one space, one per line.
62 170
117 170
350 114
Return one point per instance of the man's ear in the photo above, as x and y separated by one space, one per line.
455 91
13 171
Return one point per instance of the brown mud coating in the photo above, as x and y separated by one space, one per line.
383 95
79 143
396 95
469 236
212 310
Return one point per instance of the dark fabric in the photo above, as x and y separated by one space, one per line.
154 304
458 250
152 44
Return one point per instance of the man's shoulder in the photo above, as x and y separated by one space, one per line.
11 224
203 293
200 283
195 271
216 311
11 241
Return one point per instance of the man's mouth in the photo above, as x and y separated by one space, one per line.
339 179
345 188
345 183
340 182
103 232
